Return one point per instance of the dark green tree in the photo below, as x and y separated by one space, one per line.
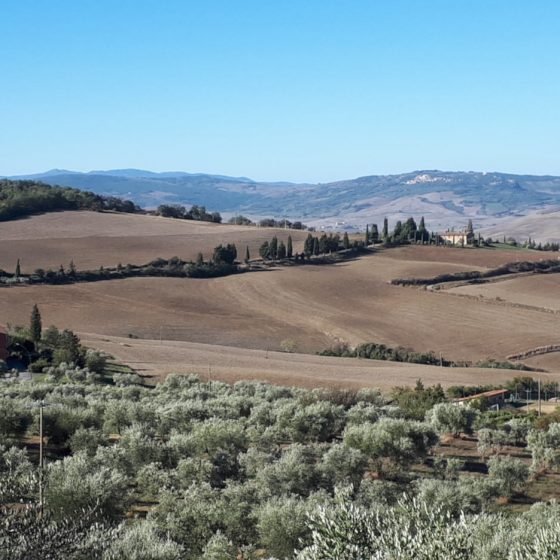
247 254
315 246
281 254
273 248
35 325
308 245
323 244
199 259
374 234
398 231
366 236
385 233
346 241
290 247
264 250
18 271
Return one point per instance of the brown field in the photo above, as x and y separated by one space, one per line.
313 305
540 291
93 239
155 358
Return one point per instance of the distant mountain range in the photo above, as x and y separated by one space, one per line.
445 198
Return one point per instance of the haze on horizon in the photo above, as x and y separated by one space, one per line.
284 91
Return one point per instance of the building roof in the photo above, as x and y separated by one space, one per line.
486 394
456 233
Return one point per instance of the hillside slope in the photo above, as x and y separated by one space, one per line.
444 198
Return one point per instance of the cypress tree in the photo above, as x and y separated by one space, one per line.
281 250
273 248
18 270
315 246
323 244
247 254
35 325
290 248
308 246
366 237
199 259
346 240
374 235
385 233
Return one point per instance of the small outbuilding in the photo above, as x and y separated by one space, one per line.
492 398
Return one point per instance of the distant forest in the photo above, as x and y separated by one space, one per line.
25 198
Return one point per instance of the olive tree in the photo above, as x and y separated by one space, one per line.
450 418
511 473
392 442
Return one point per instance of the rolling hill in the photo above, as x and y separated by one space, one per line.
497 202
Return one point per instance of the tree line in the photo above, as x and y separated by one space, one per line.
241 220
197 213
222 263
24 198
375 351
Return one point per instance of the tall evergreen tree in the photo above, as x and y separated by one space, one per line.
470 228
18 270
264 250
323 244
35 325
308 245
385 233
290 247
374 234
273 248
346 241
422 231
315 246
281 251
247 254
366 237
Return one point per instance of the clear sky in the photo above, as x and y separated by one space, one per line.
302 90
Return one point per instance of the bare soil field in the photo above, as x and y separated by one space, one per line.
313 306
93 239
155 358
537 290
541 225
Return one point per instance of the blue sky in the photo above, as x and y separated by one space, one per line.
302 90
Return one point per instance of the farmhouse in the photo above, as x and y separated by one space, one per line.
458 237
492 398
3 343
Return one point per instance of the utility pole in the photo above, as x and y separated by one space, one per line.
42 404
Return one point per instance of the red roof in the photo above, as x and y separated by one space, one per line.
486 394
